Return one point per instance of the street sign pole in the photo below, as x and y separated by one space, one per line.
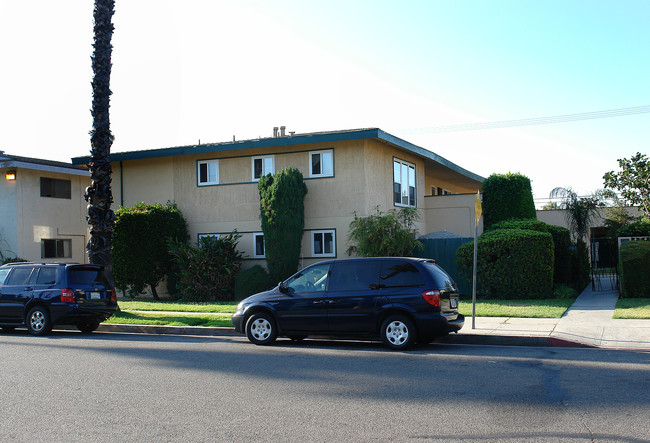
477 213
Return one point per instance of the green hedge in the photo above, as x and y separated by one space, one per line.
251 281
507 196
527 224
639 228
634 262
512 264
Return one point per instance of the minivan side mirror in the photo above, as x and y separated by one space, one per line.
282 287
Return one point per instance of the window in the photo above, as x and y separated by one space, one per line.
46 276
208 171
258 245
20 276
209 235
262 166
403 183
55 188
312 279
323 244
357 275
399 273
321 163
56 248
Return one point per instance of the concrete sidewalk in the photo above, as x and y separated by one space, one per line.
587 323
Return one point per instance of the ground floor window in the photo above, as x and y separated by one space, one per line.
323 243
56 248
258 245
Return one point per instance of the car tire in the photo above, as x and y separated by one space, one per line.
88 327
398 332
261 329
38 321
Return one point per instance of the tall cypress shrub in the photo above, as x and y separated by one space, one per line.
282 209
507 196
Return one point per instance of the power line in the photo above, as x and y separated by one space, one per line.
531 121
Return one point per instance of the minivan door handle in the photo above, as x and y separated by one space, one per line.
319 302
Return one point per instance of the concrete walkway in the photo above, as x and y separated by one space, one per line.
587 323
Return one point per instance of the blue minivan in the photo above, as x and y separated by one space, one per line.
400 300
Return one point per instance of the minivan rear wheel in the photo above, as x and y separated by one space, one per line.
261 329
398 332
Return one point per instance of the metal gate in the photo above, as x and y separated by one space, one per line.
443 251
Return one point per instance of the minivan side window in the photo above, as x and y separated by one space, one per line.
355 275
310 280
399 273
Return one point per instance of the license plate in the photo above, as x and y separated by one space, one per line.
95 296
453 302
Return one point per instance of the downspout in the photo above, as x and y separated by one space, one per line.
121 185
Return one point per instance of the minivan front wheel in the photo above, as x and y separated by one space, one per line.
38 321
261 329
398 332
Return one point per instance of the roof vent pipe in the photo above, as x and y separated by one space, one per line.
275 131
282 129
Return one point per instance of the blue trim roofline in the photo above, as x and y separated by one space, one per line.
296 139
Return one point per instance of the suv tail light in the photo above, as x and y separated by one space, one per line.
113 298
67 296
432 297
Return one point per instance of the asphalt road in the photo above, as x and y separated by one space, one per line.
132 387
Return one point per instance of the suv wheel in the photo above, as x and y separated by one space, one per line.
398 332
261 329
38 321
88 327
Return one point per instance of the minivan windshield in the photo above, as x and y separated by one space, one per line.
309 280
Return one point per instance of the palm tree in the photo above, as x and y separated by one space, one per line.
98 194
581 212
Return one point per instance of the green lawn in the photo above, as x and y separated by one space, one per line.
546 308
216 307
140 318
632 308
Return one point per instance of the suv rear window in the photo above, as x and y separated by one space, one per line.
86 277
399 273
441 279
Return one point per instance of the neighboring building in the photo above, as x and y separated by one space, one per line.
43 209
346 172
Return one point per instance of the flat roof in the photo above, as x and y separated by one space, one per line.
288 140
39 164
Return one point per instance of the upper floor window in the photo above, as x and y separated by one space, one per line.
263 166
55 187
208 172
403 183
321 163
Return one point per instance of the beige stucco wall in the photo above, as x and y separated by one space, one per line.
50 218
558 217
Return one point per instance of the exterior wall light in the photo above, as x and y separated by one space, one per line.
10 175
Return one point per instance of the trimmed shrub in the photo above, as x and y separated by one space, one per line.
580 266
634 262
512 264
562 264
207 270
639 228
251 281
507 196
139 247
528 224
392 234
282 208
14 260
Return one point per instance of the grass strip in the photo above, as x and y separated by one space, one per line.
638 308
545 308
140 318
214 307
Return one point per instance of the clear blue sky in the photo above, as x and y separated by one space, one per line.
190 70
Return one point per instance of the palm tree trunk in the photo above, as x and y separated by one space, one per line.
98 194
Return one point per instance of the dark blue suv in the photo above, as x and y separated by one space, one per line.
39 296
400 300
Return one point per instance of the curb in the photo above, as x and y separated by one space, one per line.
464 339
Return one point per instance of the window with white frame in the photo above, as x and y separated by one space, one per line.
208 235
258 245
323 243
403 183
208 172
262 166
321 163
